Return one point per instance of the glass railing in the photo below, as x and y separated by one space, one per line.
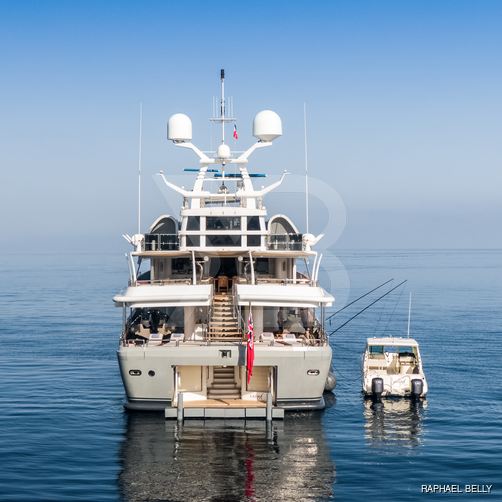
285 242
161 242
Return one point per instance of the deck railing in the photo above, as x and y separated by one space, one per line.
285 242
161 242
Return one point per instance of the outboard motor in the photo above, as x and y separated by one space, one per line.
330 382
417 388
377 388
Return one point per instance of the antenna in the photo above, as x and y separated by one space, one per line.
222 75
306 167
139 164
409 315
223 115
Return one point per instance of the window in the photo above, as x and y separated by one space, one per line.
182 266
193 223
193 240
223 223
253 223
223 240
254 240
261 265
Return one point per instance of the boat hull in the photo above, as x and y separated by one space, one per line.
150 374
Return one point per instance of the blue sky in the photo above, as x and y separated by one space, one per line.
404 102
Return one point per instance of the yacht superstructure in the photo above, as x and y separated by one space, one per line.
229 313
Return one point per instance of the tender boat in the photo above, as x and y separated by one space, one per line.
223 315
393 367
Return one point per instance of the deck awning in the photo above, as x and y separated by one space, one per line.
173 295
288 295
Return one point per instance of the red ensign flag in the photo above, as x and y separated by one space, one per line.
236 136
250 347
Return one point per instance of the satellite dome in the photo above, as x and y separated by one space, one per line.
267 125
223 151
179 128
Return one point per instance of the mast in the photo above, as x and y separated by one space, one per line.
222 107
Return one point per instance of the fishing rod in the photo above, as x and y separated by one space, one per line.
357 299
368 306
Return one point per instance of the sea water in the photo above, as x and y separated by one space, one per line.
64 434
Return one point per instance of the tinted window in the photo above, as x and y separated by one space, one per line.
223 240
223 223
253 223
261 265
193 223
254 240
193 240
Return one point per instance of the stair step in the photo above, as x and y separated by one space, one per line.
226 338
224 391
223 371
223 386
224 381
225 334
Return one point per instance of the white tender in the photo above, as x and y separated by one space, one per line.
393 367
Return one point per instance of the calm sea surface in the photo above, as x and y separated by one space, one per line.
64 434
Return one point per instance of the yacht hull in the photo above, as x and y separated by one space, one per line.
296 374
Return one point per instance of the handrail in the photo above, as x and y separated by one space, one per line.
237 310
162 282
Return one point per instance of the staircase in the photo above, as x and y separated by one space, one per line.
223 325
223 385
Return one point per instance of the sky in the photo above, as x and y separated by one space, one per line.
404 107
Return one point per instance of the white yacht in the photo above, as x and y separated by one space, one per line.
393 367
228 314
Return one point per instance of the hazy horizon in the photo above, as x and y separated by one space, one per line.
404 116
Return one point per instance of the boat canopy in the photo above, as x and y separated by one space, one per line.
398 342
182 295
292 295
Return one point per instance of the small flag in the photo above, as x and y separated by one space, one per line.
250 347
236 136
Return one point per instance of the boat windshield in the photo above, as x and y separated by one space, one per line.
402 350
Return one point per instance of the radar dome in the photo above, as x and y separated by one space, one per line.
267 125
179 128
224 151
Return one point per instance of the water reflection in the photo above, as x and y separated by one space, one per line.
394 422
232 460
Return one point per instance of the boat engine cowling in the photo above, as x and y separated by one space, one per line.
417 387
377 387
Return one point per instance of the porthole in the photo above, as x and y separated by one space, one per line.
135 372
313 372
151 373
